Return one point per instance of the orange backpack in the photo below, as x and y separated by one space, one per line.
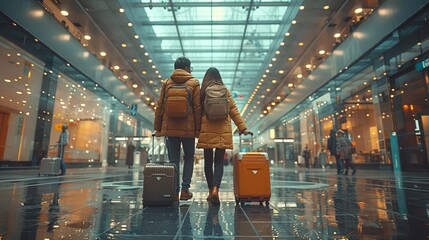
177 100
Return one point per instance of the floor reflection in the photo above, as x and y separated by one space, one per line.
107 204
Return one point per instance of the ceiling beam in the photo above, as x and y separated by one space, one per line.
212 4
198 23
225 37
208 50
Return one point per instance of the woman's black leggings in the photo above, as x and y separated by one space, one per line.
213 177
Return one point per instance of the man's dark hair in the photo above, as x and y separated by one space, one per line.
182 62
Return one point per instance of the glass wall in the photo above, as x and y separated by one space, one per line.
20 87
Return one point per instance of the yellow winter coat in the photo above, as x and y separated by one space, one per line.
179 127
218 133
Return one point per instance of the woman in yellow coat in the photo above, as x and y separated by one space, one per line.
216 134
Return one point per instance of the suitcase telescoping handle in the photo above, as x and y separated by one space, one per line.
251 140
159 149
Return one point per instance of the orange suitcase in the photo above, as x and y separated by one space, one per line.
252 177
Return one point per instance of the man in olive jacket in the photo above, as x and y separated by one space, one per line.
180 131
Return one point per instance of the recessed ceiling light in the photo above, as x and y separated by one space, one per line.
301 8
125 77
141 46
322 52
274 59
121 10
135 85
299 75
293 21
308 66
123 45
282 44
87 37
300 44
277 52
326 7
144 72
64 13
290 59
281 71
358 10
287 34
135 60
290 85
103 54
146 54
116 67
141 93
274 81
337 35
130 24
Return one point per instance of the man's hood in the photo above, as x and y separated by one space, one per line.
181 76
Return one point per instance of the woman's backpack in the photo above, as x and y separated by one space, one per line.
216 103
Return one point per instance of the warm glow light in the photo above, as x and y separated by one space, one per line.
130 24
123 45
358 10
301 8
337 35
321 52
87 37
116 67
300 44
326 7
299 76
293 21
121 10
103 54
64 13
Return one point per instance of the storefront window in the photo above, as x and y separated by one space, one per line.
84 113
20 84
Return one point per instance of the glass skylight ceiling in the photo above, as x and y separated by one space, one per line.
238 37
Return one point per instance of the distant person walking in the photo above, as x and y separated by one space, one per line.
344 151
306 154
216 130
323 157
332 147
63 141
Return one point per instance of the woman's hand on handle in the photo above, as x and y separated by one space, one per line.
245 132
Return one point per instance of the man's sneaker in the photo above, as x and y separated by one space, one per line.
185 195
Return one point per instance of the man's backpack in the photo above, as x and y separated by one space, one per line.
216 103
178 100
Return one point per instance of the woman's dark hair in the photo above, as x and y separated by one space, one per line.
182 63
212 76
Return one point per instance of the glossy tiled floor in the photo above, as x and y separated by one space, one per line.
315 204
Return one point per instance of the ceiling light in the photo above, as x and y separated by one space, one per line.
136 36
290 85
87 37
151 81
274 59
321 52
121 10
299 75
116 67
281 71
144 72
146 54
141 93
135 60
262 96
153 66
141 46
123 45
293 21
7 80
274 81
125 77
135 85
277 52
300 44
326 7
308 66
64 13
337 35
273 103
270 65
103 54
267 71
264 76
358 10
268 90
290 59
287 34
278 97
130 24
301 8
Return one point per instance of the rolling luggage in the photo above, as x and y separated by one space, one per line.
50 166
252 177
159 181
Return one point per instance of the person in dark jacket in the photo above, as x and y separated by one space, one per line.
130 154
332 147
306 154
344 151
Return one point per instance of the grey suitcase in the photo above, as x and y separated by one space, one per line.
50 166
159 182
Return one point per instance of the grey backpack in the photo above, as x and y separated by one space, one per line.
216 103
